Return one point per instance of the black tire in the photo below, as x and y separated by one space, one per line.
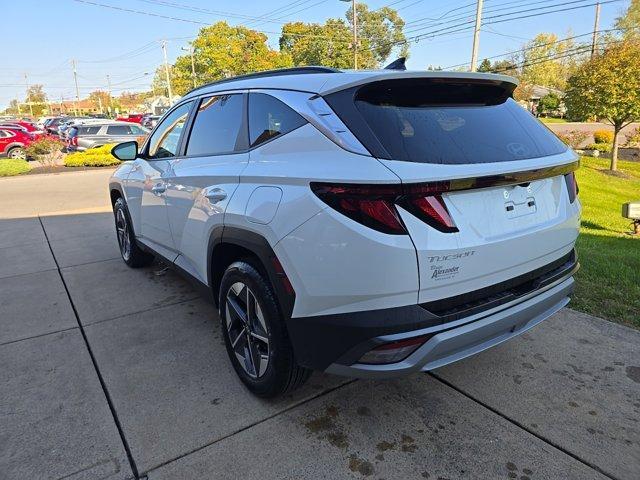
282 373
130 251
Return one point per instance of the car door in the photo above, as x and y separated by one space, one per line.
5 139
146 185
201 182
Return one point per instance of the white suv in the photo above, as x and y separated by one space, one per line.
363 223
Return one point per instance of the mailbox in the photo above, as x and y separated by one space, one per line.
631 210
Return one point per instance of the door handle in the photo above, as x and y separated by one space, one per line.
215 195
158 189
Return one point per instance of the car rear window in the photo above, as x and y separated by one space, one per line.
445 122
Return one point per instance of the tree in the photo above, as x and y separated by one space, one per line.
37 98
485 66
549 62
314 44
549 103
100 100
330 44
629 23
608 87
220 51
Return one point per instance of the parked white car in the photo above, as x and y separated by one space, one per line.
369 223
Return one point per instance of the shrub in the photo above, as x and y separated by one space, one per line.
603 136
573 138
601 147
47 150
10 167
633 139
94 157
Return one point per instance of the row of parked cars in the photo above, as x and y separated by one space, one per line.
16 134
78 133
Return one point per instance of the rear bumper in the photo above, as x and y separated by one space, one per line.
335 343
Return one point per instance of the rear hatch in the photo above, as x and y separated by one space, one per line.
488 191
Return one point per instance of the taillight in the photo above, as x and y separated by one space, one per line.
74 141
369 205
375 205
572 186
393 352
431 210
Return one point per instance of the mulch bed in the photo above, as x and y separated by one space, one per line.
38 170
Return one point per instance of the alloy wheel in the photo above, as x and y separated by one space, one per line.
18 154
122 228
247 329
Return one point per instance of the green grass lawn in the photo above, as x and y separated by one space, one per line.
552 120
608 284
10 167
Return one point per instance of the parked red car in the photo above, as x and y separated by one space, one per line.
132 117
13 142
30 127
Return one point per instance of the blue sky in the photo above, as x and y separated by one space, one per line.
126 45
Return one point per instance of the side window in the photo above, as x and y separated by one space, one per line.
218 126
118 130
136 130
89 130
165 140
269 118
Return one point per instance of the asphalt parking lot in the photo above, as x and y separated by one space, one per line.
113 373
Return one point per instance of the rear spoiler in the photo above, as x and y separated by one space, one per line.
337 83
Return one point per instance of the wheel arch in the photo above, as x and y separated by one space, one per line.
115 192
230 244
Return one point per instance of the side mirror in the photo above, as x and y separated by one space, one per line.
125 151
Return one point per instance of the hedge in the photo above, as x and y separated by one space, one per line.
93 157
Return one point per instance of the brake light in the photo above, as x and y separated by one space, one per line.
393 352
74 141
369 205
433 211
572 186
375 205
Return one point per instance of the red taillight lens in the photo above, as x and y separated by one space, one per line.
375 205
369 205
393 352
74 141
433 211
572 186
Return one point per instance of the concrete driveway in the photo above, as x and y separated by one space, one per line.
113 373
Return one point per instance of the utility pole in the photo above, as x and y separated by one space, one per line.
26 82
166 70
109 91
476 37
596 25
75 79
193 64
18 106
355 33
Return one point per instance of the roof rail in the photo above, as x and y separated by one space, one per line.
270 73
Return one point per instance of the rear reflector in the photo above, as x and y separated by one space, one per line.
375 205
393 352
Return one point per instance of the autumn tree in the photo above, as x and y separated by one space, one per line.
220 51
37 99
100 99
380 35
549 62
629 22
608 87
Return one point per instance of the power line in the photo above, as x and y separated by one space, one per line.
533 47
195 22
446 30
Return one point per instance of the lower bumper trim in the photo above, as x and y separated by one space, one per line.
457 343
